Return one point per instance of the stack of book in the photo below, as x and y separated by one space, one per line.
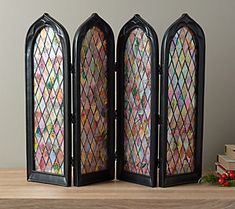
226 162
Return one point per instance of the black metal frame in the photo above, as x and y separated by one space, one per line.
166 180
137 22
83 179
32 175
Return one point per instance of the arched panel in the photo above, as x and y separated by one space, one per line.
183 52
94 102
137 102
48 105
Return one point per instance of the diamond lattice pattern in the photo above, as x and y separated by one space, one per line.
94 102
137 103
48 103
181 103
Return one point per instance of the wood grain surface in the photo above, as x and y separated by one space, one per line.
16 192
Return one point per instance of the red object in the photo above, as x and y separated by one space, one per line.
230 171
221 180
231 175
224 176
226 183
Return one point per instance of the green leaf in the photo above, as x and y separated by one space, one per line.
210 179
232 183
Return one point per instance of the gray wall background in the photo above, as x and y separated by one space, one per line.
215 16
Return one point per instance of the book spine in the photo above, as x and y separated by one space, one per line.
229 151
220 169
227 165
223 162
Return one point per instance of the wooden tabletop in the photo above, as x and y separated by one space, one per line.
16 192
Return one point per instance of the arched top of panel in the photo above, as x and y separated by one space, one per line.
185 25
137 24
94 26
46 21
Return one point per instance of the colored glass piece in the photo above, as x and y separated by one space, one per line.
94 102
181 103
48 103
137 103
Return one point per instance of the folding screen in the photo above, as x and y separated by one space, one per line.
48 105
48 102
93 58
137 90
182 87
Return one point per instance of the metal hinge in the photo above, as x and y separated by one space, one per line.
72 118
72 161
160 69
115 155
159 119
158 163
115 66
115 114
72 68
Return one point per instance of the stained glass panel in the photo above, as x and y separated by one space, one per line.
93 102
181 103
48 103
137 103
